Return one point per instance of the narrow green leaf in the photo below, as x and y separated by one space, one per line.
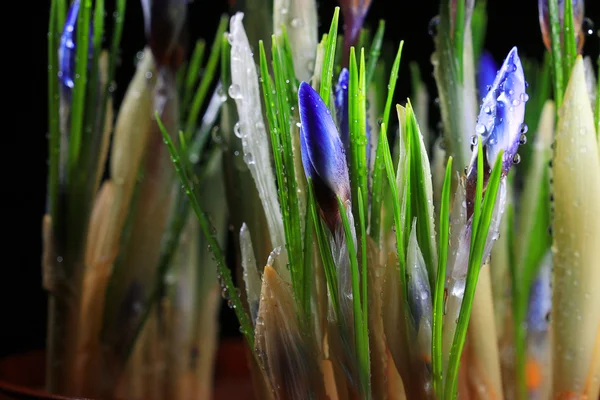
478 190
119 17
223 271
421 194
308 265
192 74
375 51
80 84
360 325
363 259
480 231
291 212
378 169
479 27
569 40
329 57
598 103
324 250
53 110
557 61
440 283
207 78
396 205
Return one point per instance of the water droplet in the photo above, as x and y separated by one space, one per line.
221 94
432 28
516 159
148 75
59 259
474 140
249 158
523 139
524 128
296 23
524 97
587 27
480 128
487 110
516 102
234 92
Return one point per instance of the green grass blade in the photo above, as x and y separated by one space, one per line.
440 282
360 326
329 57
375 51
292 211
480 231
478 27
79 89
119 17
478 190
569 40
557 61
324 250
193 73
598 102
308 265
379 167
396 205
421 197
54 30
223 271
363 260
207 78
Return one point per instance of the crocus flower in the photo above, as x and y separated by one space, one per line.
544 16
354 13
486 73
163 22
500 121
323 155
67 50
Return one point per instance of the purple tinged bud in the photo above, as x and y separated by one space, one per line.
323 155
486 73
67 51
354 13
163 23
500 121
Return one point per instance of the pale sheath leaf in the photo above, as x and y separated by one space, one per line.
576 254
251 274
287 358
244 90
300 20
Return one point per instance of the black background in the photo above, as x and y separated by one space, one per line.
24 148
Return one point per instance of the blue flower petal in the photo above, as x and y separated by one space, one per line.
500 121
323 154
486 73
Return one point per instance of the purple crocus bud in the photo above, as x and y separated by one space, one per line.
500 121
354 13
544 16
323 155
486 73
163 23
67 52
